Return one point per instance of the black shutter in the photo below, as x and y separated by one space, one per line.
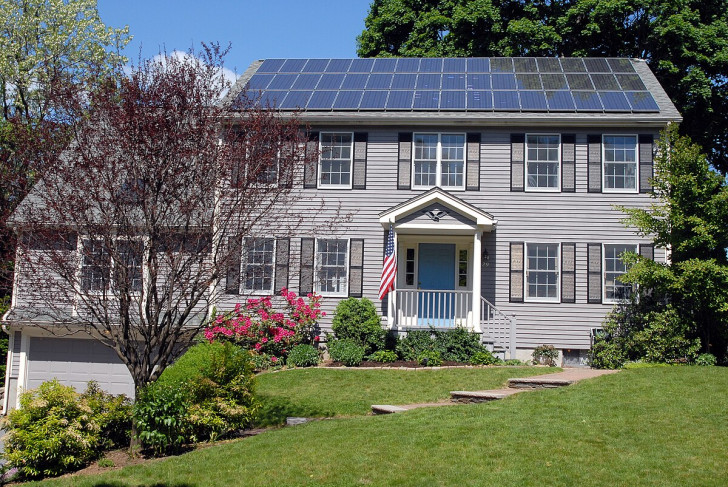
568 272
307 255
646 163
516 272
232 278
310 169
472 169
594 273
568 163
283 250
518 169
359 172
647 251
594 161
404 164
356 267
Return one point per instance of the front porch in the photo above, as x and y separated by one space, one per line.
440 257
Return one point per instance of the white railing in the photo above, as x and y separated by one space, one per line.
498 328
437 308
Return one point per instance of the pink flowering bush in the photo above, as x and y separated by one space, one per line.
260 328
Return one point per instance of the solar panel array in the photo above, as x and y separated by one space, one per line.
452 84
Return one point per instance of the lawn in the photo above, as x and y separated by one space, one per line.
657 426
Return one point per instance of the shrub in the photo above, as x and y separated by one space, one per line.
545 355
263 361
384 356
485 358
430 358
706 360
458 344
303 355
206 394
606 353
416 342
57 430
112 413
357 320
514 362
347 352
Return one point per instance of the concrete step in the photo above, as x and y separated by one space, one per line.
482 396
386 409
539 382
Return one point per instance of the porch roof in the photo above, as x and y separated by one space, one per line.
482 220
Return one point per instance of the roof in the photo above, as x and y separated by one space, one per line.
459 89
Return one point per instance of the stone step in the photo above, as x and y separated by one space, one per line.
539 382
387 409
482 396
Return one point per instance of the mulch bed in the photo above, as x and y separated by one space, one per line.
399 364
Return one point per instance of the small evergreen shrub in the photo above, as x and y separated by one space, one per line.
514 362
384 356
303 355
545 355
346 351
430 358
485 357
56 430
414 343
357 320
706 360
458 344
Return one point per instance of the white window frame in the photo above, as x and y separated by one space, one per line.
90 292
526 271
555 189
636 163
317 269
604 269
244 266
438 164
320 183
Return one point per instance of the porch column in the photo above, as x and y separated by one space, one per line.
476 279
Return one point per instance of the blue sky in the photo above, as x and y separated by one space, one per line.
258 29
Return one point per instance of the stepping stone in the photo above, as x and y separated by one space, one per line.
482 396
539 382
293 421
387 409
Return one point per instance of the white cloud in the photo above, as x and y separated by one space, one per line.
229 75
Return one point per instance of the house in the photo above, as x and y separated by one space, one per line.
497 179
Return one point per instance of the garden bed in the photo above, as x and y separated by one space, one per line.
399 364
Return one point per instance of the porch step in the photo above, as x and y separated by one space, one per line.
387 409
539 382
482 396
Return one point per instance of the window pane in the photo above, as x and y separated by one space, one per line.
259 259
336 159
542 272
453 160
130 260
614 268
331 268
425 163
95 266
620 162
543 161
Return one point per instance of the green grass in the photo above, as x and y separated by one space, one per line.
346 392
646 427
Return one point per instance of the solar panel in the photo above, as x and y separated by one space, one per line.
533 100
503 81
348 99
505 100
614 101
452 100
560 101
399 100
498 83
428 100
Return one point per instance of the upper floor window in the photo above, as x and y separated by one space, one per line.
614 267
543 161
260 166
97 264
336 159
542 272
439 160
331 266
258 262
620 163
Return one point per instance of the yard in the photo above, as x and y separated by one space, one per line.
654 426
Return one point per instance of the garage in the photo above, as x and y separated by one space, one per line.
74 362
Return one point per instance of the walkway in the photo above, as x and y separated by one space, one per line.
516 385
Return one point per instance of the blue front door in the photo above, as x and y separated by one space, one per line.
436 272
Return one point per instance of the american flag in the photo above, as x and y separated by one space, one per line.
389 269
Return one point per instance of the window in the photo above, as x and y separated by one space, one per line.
620 163
463 268
331 271
336 160
96 265
543 161
439 160
258 262
130 259
260 166
409 268
542 272
614 268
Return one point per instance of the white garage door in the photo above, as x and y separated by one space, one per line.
74 362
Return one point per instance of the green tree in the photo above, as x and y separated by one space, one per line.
684 42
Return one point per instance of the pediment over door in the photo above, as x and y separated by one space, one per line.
438 212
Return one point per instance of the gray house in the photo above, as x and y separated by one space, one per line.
497 178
